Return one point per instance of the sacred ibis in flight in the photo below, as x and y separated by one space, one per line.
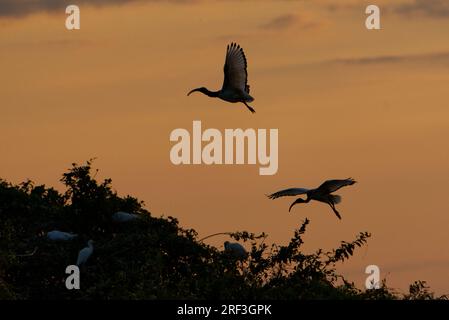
322 193
235 85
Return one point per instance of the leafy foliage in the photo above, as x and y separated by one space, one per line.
152 258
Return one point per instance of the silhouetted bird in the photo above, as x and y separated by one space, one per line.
322 193
57 235
235 85
121 216
235 249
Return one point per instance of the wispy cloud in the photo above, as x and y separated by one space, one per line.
22 8
424 60
432 8
434 57
418 8
49 43
280 22
286 21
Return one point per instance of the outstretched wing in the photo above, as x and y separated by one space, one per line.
288 192
334 198
333 185
235 73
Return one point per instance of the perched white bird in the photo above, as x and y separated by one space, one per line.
56 235
236 249
235 85
322 193
121 216
85 253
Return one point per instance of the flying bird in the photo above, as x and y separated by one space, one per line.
235 85
57 235
322 193
85 253
235 249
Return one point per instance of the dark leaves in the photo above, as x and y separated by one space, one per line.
153 257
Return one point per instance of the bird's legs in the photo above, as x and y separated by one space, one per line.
250 109
332 205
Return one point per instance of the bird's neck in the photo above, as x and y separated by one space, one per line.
212 94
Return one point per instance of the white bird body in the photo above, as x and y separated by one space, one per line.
121 216
235 84
236 249
85 253
57 235
321 194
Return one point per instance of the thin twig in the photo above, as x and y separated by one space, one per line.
27 254
213 235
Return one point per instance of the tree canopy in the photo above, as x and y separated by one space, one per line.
153 257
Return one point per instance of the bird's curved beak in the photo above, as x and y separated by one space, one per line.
194 90
291 206
295 202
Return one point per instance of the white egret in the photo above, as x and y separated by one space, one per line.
236 249
121 216
322 193
235 85
85 253
57 235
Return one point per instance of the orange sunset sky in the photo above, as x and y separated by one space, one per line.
348 102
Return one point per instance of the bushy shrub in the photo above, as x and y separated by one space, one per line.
152 257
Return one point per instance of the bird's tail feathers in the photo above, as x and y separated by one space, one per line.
249 99
336 198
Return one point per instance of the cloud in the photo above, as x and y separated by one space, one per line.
434 57
288 20
408 8
425 60
22 8
431 8
281 22
19 8
49 43
371 60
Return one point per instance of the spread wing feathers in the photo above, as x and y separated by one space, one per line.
288 192
335 199
235 73
333 185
